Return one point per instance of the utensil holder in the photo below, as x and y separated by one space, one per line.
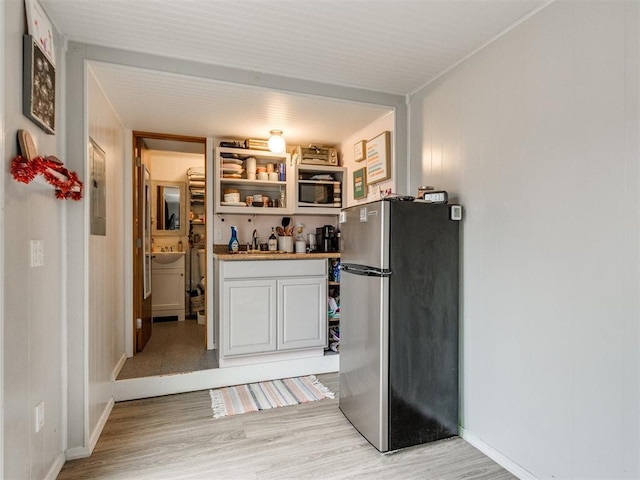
285 244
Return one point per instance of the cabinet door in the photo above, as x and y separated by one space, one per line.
248 317
168 289
302 316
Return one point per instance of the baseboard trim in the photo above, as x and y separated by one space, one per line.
95 435
497 457
86 451
55 469
118 367
145 387
77 452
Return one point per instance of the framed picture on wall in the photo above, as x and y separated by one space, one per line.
38 86
378 158
359 150
98 189
360 183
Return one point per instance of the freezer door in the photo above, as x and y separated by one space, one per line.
365 235
364 355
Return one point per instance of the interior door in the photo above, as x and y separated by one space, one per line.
141 247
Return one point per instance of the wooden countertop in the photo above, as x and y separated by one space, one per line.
273 256
221 252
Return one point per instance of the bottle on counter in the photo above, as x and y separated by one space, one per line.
234 246
180 246
273 241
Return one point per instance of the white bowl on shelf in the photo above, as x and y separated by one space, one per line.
232 197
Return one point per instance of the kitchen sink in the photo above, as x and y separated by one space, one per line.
166 257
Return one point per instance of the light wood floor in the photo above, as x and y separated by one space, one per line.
176 437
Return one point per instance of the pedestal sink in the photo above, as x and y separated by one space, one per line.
166 257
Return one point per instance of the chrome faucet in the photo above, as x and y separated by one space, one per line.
254 239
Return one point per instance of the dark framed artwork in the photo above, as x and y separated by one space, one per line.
39 86
98 189
360 183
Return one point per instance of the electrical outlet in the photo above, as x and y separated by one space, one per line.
39 416
217 234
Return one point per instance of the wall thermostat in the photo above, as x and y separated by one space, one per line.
456 212
435 196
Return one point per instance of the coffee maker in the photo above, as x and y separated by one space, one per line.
327 239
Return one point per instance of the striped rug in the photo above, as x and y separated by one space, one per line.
266 395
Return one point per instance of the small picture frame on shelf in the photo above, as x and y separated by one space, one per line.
359 150
39 86
360 183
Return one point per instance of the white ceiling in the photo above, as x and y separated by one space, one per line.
392 46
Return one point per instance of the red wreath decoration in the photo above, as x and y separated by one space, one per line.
66 183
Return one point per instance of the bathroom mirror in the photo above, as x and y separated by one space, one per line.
169 208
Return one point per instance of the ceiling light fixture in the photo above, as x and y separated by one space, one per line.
276 142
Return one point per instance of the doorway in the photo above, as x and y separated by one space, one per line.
165 205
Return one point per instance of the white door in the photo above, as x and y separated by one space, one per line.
248 317
302 316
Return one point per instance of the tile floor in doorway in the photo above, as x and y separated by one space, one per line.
174 347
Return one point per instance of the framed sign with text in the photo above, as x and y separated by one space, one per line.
378 158
360 183
359 150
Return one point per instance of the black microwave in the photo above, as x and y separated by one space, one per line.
319 193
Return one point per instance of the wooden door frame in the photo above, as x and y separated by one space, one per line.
136 226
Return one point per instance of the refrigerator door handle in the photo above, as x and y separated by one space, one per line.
364 270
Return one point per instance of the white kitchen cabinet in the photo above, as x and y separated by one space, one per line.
305 173
272 307
302 316
273 189
249 316
167 288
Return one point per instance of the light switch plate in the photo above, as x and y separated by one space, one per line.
456 212
39 420
37 253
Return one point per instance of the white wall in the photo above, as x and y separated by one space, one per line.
3 159
384 123
107 314
33 298
538 137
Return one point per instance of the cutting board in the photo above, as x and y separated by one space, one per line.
27 145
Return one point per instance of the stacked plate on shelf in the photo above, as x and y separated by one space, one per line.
232 168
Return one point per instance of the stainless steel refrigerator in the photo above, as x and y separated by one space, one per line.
399 322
